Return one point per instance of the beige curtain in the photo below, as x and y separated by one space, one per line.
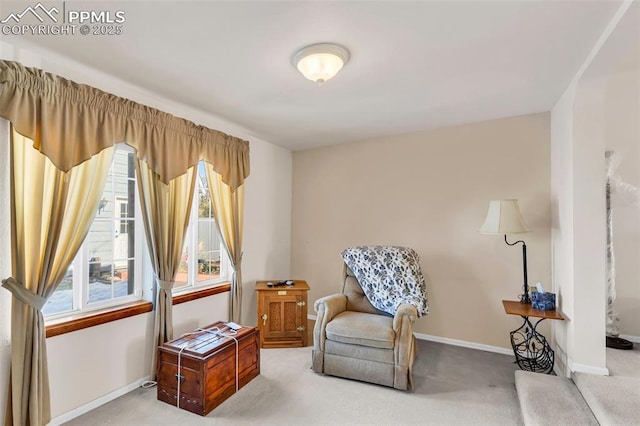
228 211
51 213
54 111
73 124
165 211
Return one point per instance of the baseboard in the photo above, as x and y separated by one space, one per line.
634 339
464 344
575 367
96 403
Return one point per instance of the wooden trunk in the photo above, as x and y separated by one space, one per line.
207 371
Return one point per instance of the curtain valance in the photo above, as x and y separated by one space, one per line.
95 120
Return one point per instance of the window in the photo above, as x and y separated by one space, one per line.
204 261
105 269
123 205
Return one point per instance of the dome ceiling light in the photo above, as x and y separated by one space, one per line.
320 62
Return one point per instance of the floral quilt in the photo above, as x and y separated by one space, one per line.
389 276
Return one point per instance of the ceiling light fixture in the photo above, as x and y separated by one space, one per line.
320 62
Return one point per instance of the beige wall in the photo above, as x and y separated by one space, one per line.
430 191
267 223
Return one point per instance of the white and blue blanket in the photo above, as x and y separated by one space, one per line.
389 276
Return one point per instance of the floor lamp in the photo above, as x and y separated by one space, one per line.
504 217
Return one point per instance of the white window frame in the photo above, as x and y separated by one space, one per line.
80 264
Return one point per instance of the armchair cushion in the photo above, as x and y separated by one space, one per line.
358 328
345 350
356 299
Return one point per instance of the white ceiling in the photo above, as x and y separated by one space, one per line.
414 65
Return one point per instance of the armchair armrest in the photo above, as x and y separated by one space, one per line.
327 308
405 312
405 348
405 344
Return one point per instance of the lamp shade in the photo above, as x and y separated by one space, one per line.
504 217
320 62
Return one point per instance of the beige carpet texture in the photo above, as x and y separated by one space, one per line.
453 386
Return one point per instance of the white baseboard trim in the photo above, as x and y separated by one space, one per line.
576 367
63 418
464 343
634 339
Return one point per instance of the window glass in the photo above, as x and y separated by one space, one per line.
104 268
203 261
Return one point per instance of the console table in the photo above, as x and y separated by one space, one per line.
532 351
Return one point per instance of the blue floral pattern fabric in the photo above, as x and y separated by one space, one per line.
389 276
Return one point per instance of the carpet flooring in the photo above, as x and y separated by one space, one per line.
586 399
549 400
624 362
453 386
614 399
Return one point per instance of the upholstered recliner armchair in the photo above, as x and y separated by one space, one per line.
353 339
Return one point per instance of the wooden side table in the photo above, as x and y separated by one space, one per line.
282 314
532 351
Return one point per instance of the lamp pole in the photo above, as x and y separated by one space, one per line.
525 296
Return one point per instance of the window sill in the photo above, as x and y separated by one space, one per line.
80 321
199 294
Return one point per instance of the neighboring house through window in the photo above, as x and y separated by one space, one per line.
106 270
